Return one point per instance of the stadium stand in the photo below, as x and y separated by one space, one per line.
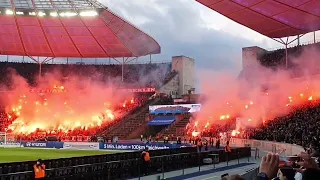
177 127
133 73
3 117
301 127
129 123
135 124
137 75
276 58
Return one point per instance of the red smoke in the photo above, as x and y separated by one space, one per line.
264 95
75 103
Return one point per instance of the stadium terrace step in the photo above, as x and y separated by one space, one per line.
175 127
123 122
130 123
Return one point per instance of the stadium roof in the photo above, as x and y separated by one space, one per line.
273 18
69 28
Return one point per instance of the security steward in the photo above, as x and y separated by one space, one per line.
39 170
145 156
227 149
199 144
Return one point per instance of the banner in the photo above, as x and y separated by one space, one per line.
81 145
145 90
42 144
56 90
181 108
140 146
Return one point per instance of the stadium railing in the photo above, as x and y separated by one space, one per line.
266 146
129 168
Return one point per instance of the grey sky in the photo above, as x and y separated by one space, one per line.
185 27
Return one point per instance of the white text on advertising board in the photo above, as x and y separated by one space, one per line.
32 144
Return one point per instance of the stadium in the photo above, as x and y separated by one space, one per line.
76 99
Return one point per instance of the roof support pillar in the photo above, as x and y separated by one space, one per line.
47 59
122 69
314 37
287 42
40 70
286 55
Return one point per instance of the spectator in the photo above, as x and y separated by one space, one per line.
145 156
225 176
235 177
301 127
268 167
287 173
39 170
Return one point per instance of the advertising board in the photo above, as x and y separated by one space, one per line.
36 144
191 108
81 145
140 146
10 144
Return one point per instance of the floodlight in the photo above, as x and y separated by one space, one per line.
41 14
88 13
53 14
68 14
9 12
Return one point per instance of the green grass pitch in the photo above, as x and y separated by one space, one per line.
28 154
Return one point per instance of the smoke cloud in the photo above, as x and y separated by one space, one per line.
77 101
261 93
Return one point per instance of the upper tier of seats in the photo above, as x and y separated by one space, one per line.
277 58
146 75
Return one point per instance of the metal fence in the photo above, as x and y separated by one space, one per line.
130 168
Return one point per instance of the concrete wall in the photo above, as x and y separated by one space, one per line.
250 56
185 68
171 87
267 146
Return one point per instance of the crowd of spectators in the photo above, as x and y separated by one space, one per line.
306 168
277 58
301 127
79 134
135 76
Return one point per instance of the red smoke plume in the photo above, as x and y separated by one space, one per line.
264 95
78 102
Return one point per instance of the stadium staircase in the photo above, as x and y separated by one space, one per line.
131 122
176 128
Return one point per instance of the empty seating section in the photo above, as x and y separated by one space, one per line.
178 127
130 123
